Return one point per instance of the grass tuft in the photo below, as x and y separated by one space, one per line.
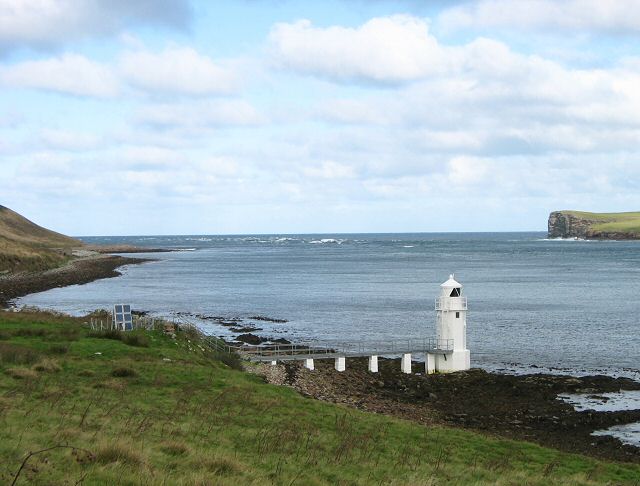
174 448
118 451
58 349
220 465
123 372
232 360
139 340
22 373
47 366
16 354
129 337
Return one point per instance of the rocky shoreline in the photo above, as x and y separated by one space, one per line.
76 272
522 407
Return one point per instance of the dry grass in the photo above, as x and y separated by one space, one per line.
220 465
26 246
22 373
117 385
47 366
123 372
118 451
16 354
174 448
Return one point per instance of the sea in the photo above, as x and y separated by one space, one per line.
556 305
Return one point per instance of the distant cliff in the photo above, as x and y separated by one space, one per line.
592 226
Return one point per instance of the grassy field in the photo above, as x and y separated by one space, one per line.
611 222
149 409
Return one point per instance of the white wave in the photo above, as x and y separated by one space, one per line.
285 239
408 246
627 433
562 239
325 241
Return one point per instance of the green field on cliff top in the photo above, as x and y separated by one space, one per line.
610 222
145 408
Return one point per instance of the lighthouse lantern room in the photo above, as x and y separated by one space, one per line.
451 328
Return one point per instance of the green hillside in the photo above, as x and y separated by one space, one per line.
145 408
26 246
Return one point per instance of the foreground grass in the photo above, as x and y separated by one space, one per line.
155 410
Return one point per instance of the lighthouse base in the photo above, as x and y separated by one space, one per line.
456 361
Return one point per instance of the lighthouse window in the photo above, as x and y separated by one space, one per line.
457 315
455 292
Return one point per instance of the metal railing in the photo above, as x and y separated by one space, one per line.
137 322
319 350
276 351
451 303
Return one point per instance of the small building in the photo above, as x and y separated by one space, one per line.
451 328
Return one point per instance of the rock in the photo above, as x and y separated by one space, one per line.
250 339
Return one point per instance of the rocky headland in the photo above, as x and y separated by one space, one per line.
594 226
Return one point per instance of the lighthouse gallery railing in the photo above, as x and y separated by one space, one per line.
451 303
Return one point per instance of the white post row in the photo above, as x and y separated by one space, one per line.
405 363
341 364
373 364
308 363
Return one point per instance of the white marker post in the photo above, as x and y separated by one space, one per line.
373 364
405 363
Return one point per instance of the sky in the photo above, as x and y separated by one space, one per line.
142 117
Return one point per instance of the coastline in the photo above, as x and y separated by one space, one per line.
76 272
522 407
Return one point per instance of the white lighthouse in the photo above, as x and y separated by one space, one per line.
451 328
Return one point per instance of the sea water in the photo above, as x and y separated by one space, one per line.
569 304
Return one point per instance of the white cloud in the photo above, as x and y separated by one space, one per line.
177 70
330 170
69 140
69 74
467 170
385 49
618 16
45 24
215 113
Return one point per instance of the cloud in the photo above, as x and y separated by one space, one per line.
173 71
213 113
69 140
47 24
611 17
386 50
330 170
465 171
69 74
177 70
